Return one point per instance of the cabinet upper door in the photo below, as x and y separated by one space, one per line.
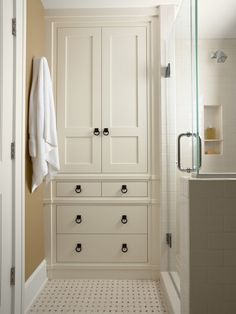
124 99
79 98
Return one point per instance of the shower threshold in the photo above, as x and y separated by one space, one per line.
215 175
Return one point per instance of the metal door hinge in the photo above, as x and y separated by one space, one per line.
13 26
167 71
169 239
12 276
13 150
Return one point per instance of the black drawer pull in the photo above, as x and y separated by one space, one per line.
78 219
124 248
78 247
105 131
124 189
96 132
124 219
78 189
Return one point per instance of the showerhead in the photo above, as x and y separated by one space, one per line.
220 56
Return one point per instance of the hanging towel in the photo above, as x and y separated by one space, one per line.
43 147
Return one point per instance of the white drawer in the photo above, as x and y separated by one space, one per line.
101 248
101 219
125 189
78 189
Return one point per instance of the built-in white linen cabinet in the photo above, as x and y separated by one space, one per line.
102 99
78 98
101 210
124 99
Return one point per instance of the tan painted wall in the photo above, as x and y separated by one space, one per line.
34 246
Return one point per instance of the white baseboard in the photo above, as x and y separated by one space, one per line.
171 296
35 284
61 271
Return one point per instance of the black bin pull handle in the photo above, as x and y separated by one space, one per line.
78 247
124 189
78 219
78 189
124 219
124 248
105 131
96 132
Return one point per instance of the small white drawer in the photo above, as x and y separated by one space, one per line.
102 248
125 189
78 189
101 219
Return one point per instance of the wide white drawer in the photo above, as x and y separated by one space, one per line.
125 189
101 219
101 248
78 189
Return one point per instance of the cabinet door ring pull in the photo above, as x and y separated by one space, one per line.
78 189
78 219
124 248
96 132
78 247
124 219
124 189
105 131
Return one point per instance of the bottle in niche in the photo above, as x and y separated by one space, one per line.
210 133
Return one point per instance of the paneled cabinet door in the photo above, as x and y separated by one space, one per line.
124 99
79 99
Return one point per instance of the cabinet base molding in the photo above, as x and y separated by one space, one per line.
103 272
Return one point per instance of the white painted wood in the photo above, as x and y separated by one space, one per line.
87 189
63 4
125 271
6 165
102 219
107 271
79 98
124 94
35 284
19 162
134 189
109 19
102 248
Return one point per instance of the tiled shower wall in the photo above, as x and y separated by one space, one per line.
208 246
217 82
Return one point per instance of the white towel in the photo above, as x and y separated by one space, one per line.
43 146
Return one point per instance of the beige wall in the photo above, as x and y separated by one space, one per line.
34 248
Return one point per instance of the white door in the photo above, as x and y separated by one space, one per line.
6 116
78 99
124 99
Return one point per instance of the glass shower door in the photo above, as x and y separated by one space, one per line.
183 142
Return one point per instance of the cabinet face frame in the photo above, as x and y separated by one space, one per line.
53 24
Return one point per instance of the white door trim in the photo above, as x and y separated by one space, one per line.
19 171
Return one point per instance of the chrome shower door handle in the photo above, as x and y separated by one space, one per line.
188 134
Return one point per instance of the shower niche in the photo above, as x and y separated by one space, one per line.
213 133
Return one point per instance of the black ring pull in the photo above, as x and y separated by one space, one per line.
96 132
124 189
78 219
124 248
124 219
78 189
105 131
78 247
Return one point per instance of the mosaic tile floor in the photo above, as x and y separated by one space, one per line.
100 296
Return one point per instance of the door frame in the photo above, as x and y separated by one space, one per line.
19 162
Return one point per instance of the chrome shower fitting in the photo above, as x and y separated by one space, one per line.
219 55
